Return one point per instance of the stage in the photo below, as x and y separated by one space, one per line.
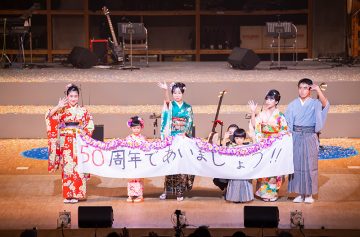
30 197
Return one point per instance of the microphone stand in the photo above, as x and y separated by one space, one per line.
155 124
3 54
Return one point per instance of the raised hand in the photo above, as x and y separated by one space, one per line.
314 87
162 85
227 135
62 102
252 106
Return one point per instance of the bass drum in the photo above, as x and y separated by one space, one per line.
353 6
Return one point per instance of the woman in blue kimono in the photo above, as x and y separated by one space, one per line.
176 119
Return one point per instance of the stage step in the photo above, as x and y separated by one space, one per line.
140 93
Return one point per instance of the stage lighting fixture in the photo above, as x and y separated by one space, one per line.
296 219
64 220
178 218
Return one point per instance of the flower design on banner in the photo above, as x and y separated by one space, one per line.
129 143
161 144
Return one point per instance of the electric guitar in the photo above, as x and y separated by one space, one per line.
216 121
116 49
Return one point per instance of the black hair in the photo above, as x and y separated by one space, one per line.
285 234
202 231
273 94
179 85
71 88
29 233
239 234
113 234
135 121
238 133
305 81
233 126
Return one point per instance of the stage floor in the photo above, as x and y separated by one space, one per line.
186 72
32 197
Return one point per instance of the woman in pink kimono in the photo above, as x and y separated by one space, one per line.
63 122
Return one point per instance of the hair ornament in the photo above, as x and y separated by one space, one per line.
133 122
172 84
69 85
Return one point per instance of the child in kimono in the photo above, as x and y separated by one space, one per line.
135 187
239 190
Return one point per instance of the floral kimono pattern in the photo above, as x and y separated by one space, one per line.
267 188
177 119
62 128
135 187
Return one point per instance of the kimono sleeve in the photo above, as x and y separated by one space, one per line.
321 115
88 123
283 126
52 129
289 116
166 116
190 121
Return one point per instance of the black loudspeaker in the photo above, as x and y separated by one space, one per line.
95 216
98 133
82 58
29 233
261 217
241 58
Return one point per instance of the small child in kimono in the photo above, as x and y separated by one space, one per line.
239 190
135 186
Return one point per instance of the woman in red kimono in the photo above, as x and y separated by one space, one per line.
63 122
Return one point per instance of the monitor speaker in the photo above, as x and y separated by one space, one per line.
95 216
98 133
81 57
241 58
261 216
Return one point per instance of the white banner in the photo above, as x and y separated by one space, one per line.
182 155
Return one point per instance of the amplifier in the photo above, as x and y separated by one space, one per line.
100 48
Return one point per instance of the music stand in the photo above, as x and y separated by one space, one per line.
277 30
129 30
